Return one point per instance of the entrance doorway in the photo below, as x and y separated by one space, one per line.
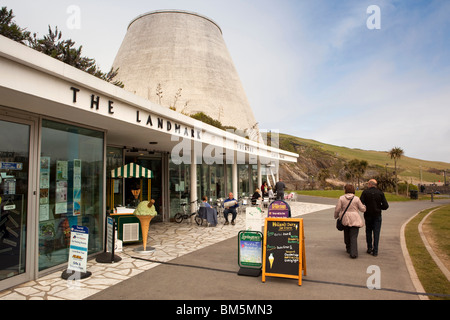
15 200
153 162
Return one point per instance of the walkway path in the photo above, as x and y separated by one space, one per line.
171 241
331 274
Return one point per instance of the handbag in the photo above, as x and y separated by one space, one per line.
339 224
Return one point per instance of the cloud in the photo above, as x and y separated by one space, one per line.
374 90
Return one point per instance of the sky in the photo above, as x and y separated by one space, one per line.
371 75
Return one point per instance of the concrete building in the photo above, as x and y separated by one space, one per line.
63 135
179 59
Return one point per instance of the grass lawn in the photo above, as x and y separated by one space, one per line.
440 225
337 193
431 277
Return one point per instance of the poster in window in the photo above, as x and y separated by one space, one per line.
44 187
61 170
61 187
61 197
44 212
60 207
61 191
45 180
76 187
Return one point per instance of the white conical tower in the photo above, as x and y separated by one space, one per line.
179 59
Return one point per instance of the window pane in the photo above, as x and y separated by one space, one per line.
14 158
71 189
114 191
179 184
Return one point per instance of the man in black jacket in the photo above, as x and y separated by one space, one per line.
375 201
279 189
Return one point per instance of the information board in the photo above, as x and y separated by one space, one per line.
250 249
279 209
110 235
284 249
79 239
250 253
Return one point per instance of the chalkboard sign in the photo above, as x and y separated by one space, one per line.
284 249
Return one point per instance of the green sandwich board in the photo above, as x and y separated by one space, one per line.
250 253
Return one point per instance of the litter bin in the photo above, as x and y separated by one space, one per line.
414 194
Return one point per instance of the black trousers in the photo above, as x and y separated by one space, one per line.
280 195
373 228
351 240
233 212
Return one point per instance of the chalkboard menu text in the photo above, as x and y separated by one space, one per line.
284 249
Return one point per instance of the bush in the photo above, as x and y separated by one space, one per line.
403 188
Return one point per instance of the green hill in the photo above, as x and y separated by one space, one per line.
316 157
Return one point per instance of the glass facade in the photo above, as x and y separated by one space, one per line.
243 186
211 181
214 181
179 184
254 178
228 180
14 177
71 189
114 187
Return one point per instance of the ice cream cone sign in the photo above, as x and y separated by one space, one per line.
145 212
271 259
145 225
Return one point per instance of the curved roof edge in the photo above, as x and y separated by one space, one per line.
175 11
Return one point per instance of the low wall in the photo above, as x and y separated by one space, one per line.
434 188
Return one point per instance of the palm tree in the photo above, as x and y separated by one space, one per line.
396 153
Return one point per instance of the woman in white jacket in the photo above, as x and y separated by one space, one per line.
352 219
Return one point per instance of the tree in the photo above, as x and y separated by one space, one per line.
53 46
396 153
10 29
323 175
357 168
65 51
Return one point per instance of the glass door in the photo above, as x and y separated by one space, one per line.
154 186
14 200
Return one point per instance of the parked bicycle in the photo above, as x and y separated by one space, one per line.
179 217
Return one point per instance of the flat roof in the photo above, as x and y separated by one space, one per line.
37 83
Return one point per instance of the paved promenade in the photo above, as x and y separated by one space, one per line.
201 263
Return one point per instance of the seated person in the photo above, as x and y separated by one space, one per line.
205 202
207 212
230 206
256 196
271 195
